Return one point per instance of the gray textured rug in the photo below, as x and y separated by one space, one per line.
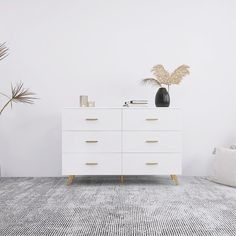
102 206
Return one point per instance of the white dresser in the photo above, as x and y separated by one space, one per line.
121 141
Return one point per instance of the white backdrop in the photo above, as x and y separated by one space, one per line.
103 48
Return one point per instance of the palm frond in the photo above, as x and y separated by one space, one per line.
151 81
3 51
20 94
178 74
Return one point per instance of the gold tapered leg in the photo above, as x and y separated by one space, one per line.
175 179
70 179
122 179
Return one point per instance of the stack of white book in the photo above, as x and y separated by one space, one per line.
136 103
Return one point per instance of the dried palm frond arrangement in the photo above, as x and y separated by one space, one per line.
163 77
18 93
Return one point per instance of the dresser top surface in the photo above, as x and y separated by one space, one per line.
157 108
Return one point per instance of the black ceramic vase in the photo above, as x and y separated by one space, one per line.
162 98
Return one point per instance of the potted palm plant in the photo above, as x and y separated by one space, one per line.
19 94
164 78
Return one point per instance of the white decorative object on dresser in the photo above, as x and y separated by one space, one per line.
121 141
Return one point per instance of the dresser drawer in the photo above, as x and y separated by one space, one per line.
151 164
91 164
151 119
152 141
91 119
91 141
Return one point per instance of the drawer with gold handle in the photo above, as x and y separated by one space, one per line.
91 119
151 163
151 141
152 119
91 163
91 141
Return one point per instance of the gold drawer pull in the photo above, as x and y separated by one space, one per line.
91 163
151 119
91 141
91 119
151 163
151 141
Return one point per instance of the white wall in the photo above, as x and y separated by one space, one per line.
62 49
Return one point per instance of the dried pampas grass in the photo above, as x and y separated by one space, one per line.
163 77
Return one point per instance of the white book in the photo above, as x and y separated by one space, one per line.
138 101
136 105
